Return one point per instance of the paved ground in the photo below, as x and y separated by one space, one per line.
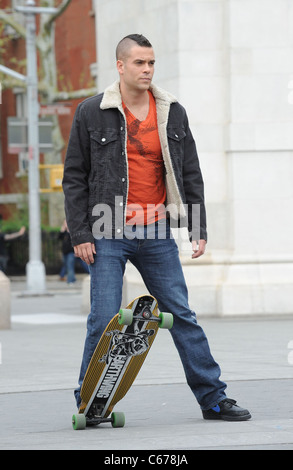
40 363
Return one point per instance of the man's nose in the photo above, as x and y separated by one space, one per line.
147 68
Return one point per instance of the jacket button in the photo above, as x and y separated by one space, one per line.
103 139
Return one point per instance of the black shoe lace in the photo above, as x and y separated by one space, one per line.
230 402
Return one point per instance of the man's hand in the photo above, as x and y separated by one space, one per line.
198 248
86 252
22 231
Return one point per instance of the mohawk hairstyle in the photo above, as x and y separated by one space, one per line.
126 43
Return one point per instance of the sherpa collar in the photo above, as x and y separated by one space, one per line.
112 96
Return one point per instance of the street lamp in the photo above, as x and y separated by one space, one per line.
35 268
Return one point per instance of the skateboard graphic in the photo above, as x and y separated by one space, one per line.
117 360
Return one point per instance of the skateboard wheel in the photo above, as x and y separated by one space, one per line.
125 316
118 419
166 320
78 422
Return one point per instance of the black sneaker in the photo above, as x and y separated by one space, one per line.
227 410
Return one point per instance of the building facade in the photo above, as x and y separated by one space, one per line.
73 63
230 63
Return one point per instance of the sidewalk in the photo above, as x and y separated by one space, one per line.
41 357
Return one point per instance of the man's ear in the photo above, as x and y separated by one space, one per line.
120 66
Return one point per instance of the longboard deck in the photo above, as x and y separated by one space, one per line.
118 358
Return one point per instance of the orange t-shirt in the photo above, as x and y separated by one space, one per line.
145 168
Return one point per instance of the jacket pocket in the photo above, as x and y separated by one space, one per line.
176 133
176 141
102 138
104 152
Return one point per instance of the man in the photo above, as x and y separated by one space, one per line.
6 237
68 267
131 149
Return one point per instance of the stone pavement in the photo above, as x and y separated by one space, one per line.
40 359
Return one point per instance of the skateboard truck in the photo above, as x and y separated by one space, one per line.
80 421
125 317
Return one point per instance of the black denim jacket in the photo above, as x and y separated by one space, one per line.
96 168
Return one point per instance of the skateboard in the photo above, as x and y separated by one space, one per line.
117 360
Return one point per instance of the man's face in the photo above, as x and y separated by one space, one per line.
137 69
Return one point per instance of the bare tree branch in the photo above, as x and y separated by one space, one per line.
11 83
9 19
76 94
62 7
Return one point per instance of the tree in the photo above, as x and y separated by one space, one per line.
48 82
48 79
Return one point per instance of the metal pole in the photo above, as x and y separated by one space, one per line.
12 73
35 269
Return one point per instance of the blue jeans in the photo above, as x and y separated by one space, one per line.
69 265
158 262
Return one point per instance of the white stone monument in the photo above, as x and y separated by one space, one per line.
4 302
230 63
